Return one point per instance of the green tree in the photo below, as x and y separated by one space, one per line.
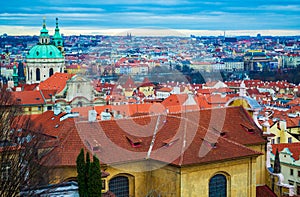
81 171
277 167
87 170
94 183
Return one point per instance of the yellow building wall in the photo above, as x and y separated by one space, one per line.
241 178
147 90
295 130
284 136
261 173
147 177
60 174
164 181
29 110
128 93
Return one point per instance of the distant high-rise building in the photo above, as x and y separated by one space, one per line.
46 58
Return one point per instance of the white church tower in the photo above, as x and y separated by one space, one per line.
44 59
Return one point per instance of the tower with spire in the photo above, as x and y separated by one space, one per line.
44 36
57 38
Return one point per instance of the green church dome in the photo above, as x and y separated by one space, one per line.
44 51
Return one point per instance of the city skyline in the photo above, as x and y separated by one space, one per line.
169 17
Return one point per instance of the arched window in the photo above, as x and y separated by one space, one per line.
38 74
119 186
218 186
50 72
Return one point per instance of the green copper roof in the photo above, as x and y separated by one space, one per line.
44 51
56 34
57 38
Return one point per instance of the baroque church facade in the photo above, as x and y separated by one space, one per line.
46 58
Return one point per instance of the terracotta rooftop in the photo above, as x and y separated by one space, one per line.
264 191
29 97
213 139
57 82
293 147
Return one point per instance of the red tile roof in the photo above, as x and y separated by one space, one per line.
294 102
175 99
293 147
48 93
292 122
264 191
57 82
29 97
134 136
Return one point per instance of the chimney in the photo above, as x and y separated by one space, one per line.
57 109
92 115
68 109
266 124
282 125
242 89
105 115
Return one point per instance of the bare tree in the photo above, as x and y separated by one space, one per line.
20 141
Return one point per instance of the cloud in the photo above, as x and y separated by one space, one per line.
281 8
64 9
177 14
128 2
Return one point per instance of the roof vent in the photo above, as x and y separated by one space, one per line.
92 115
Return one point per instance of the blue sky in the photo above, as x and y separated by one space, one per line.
170 14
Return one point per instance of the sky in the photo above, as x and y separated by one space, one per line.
244 17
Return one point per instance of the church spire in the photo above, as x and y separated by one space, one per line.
44 22
44 36
57 38
56 27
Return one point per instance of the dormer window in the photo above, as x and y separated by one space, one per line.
96 148
248 129
213 145
223 134
134 142
169 142
208 143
